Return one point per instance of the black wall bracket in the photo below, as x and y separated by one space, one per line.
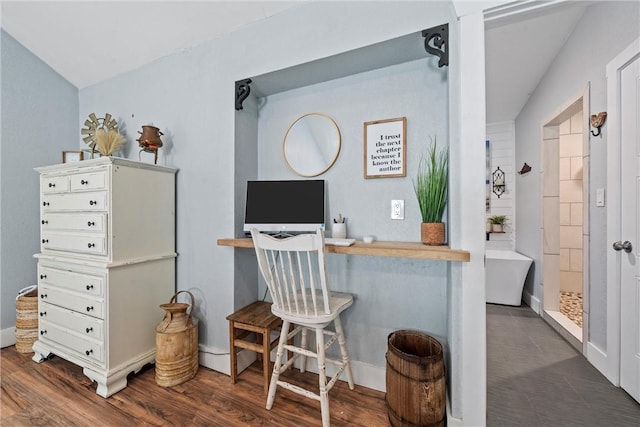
440 37
242 92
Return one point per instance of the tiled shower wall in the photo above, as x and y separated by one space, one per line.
571 203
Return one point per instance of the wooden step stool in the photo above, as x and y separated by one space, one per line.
255 318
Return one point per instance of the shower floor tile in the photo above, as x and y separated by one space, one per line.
571 306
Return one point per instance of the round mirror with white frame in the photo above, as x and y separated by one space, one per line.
312 144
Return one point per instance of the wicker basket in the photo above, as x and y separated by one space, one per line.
416 385
26 321
176 343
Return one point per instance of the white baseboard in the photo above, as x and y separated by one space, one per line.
451 421
7 337
599 360
364 374
531 301
369 376
215 358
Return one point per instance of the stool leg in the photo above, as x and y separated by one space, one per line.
343 350
322 379
277 367
303 344
266 366
259 341
232 348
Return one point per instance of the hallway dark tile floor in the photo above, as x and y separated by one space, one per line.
535 378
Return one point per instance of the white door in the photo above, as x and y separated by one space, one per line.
629 245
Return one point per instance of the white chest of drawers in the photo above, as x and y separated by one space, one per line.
107 262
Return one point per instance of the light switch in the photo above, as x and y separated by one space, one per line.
600 197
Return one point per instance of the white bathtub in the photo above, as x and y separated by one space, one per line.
505 275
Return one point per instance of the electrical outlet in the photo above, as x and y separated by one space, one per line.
397 209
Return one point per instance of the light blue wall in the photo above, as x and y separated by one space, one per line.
190 97
39 120
384 287
605 29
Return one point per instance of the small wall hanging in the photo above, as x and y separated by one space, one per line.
498 182
385 148
597 121
525 169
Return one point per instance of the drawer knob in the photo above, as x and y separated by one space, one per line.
91 245
44 221
45 203
89 308
45 240
43 296
43 313
43 332
89 287
51 185
88 352
84 182
93 202
89 329
43 276
90 223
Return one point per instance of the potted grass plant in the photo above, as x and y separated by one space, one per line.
431 185
497 223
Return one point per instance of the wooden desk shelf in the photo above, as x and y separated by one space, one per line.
414 250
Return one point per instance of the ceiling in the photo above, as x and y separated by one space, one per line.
519 50
90 41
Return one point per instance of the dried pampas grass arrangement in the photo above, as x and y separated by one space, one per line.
108 142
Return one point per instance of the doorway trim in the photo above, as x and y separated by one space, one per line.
557 321
608 360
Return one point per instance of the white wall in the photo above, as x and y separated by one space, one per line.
501 137
605 29
190 97
381 285
39 120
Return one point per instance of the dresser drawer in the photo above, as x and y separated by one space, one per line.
82 283
72 301
83 347
54 184
91 201
74 221
83 325
92 244
89 181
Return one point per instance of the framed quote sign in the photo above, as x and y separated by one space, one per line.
385 148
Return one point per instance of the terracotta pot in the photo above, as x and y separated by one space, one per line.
432 233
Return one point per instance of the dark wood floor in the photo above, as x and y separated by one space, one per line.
56 393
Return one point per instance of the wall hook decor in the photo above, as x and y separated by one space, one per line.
525 169
242 92
597 121
440 37
498 182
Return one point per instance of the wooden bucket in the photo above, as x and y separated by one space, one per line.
176 343
26 321
416 384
